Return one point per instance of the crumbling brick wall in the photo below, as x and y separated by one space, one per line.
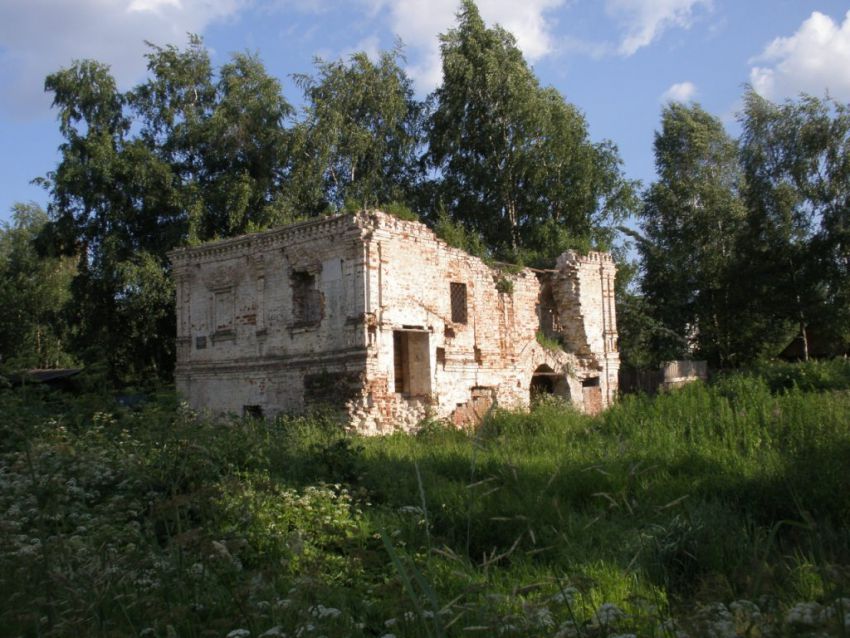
408 326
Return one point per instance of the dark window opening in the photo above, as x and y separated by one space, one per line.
252 411
306 299
458 296
441 356
591 382
547 313
400 361
200 343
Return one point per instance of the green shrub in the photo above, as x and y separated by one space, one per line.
539 522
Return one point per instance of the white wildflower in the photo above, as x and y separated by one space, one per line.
804 615
607 614
274 632
196 571
239 633
669 628
566 595
543 617
409 616
390 622
716 621
567 629
221 550
320 611
747 615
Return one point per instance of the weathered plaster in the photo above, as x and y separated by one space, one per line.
356 311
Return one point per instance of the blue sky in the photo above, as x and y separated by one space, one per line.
617 60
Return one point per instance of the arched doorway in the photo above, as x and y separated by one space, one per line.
545 381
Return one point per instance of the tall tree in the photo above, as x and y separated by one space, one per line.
33 293
185 156
361 136
796 156
515 160
691 221
224 139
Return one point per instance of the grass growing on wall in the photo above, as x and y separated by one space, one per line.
713 508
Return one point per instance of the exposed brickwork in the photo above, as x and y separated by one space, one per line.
365 302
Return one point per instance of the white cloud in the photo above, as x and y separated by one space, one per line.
679 92
38 37
815 59
370 45
646 20
418 23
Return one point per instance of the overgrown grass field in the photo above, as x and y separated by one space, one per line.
716 510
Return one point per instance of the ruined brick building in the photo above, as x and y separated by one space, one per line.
384 320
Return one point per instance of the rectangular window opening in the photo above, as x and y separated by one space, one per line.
306 299
252 411
458 298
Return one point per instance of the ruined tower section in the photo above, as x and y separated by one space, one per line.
583 291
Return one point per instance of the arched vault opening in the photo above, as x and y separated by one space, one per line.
544 380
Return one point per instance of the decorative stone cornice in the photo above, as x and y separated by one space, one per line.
269 239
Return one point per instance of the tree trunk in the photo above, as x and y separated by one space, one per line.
805 337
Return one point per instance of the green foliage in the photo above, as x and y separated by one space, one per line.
33 293
797 165
504 286
548 342
457 235
659 512
360 136
514 158
400 211
813 376
184 156
299 530
691 221
396 209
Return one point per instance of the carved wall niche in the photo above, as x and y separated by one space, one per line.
221 281
223 309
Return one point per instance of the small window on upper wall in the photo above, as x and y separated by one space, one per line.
458 295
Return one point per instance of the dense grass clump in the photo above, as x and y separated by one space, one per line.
712 509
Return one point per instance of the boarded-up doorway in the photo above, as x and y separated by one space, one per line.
411 363
592 395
